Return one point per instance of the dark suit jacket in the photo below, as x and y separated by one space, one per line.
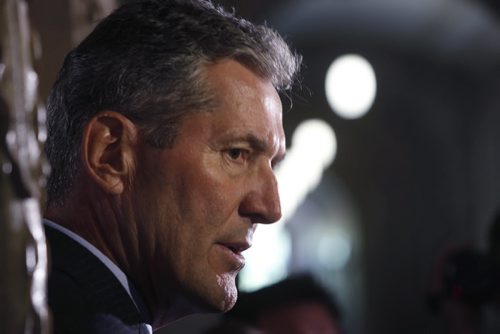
84 295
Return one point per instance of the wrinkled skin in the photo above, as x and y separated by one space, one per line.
197 200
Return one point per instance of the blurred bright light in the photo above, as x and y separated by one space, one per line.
314 146
267 260
334 251
350 86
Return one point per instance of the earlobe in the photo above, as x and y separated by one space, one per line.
109 149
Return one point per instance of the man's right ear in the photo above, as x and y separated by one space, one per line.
109 146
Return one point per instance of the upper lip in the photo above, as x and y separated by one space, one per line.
236 246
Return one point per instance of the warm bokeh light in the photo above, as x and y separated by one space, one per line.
350 86
314 146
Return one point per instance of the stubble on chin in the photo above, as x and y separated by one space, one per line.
227 285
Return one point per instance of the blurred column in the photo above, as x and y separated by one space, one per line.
62 24
85 14
23 253
23 168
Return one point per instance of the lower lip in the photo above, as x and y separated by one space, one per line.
236 261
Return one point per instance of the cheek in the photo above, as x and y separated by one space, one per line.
190 207
210 197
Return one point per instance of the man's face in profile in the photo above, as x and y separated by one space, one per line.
197 204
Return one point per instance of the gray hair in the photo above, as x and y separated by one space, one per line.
145 61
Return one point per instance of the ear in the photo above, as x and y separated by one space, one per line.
109 147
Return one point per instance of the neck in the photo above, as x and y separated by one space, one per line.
108 224
91 220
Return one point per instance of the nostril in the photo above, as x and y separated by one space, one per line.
260 219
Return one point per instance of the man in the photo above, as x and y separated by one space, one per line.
164 127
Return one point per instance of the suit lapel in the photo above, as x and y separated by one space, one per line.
105 294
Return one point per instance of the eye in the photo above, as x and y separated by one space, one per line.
237 154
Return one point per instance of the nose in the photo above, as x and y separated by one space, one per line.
261 202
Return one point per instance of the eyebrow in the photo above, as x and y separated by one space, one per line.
261 145
257 144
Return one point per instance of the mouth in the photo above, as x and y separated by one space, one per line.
236 247
232 253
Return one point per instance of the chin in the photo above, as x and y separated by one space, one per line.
220 298
230 293
220 305
214 293
228 304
